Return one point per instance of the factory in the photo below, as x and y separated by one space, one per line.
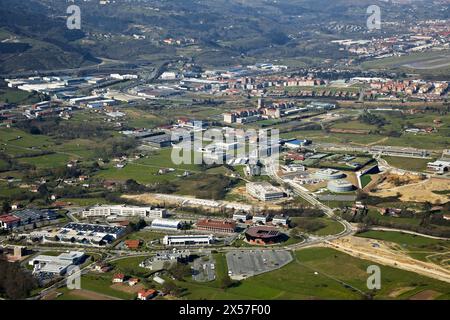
56 265
264 191
188 240
124 211
166 224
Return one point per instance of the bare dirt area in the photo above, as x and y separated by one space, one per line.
90 295
124 287
398 292
381 252
241 195
412 188
425 295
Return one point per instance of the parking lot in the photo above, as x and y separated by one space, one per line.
244 264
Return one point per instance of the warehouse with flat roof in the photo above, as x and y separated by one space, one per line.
188 240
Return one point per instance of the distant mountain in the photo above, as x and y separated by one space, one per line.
33 40
33 33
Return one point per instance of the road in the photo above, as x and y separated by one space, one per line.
271 169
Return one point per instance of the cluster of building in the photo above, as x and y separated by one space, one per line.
80 234
417 89
278 220
425 35
26 217
276 110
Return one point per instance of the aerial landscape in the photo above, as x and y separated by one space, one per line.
191 150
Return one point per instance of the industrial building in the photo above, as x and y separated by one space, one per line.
296 143
166 224
340 185
329 174
216 225
56 265
81 233
264 191
159 141
188 240
124 211
26 217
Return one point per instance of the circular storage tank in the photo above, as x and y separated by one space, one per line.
340 186
329 174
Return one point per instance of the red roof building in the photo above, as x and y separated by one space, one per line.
216 225
8 221
118 278
132 244
146 294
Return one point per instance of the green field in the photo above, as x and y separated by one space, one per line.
337 273
330 226
412 164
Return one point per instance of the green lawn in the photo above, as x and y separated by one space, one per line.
330 226
365 180
298 280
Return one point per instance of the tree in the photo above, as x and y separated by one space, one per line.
6 208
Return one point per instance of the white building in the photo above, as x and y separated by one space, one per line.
188 240
439 166
280 220
166 224
241 216
258 218
56 265
264 191
295 167
124 211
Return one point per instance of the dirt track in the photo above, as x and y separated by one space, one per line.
362 248
90 295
